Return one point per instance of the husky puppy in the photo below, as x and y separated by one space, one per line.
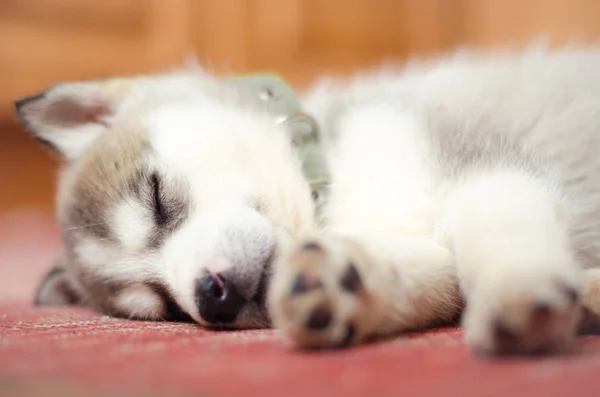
473 178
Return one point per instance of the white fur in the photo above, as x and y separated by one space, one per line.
129 267
474 171
131 224
141 302
376 171
493 157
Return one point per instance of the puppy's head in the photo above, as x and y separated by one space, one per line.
178 193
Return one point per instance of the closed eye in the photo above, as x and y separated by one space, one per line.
160 214
167 202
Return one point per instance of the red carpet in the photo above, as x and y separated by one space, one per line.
71 352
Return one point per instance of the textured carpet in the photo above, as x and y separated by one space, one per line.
71 352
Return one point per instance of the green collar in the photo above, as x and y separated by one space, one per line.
281 100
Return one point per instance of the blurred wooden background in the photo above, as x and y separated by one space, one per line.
46 41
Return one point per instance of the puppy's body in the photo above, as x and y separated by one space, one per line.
485 168
468 177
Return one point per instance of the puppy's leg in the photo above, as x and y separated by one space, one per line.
342 289
515 264
590 298
377 269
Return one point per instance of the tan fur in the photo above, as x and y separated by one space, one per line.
88 190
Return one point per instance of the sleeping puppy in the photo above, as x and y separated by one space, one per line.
178 194
469 178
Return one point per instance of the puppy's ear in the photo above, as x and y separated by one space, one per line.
68 117
57 289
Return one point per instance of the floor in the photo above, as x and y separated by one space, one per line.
62 349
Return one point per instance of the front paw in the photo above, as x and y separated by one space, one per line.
510 316
319 298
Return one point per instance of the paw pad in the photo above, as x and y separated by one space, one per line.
320 318
572 293
539 324
321 301
349 337
351 280
541 314
303 283
312 246
505 337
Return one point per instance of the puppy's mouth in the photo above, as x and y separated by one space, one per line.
253 313
265 277
257 300
261 292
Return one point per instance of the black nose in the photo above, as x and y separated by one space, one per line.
217 299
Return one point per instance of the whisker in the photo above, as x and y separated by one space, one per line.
86 226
